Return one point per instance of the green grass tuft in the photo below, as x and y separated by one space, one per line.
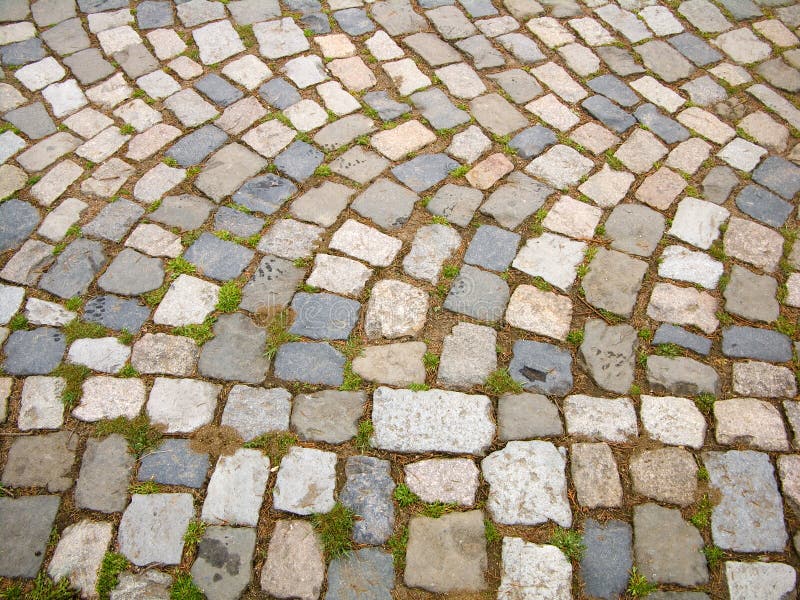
323 171
450 271
74 375
128 371
183 588
500 382
431 361
492 535
350 380
419 387
77 329
138 432
434 510
669 349
45 588
125 337
275 444
398 544
440 220
334 529
714 555
199 332
18 322
278 333
365 431
144 488
701 518
74 303
194 533
404 496
638 586
575 337
229 297
702 474
460 171
569 542
705 402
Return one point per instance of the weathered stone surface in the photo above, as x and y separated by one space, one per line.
608 558
152 528
149 585
683 306
295 566
224 557
667 548
749 514
435 420
79 554
368 493
395 309
751 296
534 570
445 480
236 489
366 574
392 364
751 579
524 416
674 421
762 380
40 405
175 463
613 281
272 286
164 354
27 522
468 356
612 420
305 481
750 422
666 475
607 353
541 367
595 476
432 245
681 376
105 472
41 461
237 351
182 405
315 363
327 416
530 495
446 554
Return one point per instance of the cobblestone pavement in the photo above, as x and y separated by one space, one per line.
452 298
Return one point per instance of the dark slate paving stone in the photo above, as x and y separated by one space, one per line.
667 129
366 574
316 22
478 8
218 259
436 107
264 194
778 175
533 141
237 351
695 49
22 53
759 344
387 108
279 93
354 21
66 38
88 66
542 367
424 172
175 463
303 6
114 220
186 212
315 363
74 269
18 219
34 352
132 273
32 120
609 113
614 89
95 6
237 222
742 9
299 161
105 475
763 205
672 334
324 316
116 313
607 560
193 149
368 493
478 294
492 248
216 89
151 15
26 524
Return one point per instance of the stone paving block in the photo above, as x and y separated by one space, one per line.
762 380
236 489
674 421
175 463
34 352
681 376
152 528
552 257
749 422
237 351
182 405
27 522
531 569
224 556
595 476
314 363
295 565
607 353
446 554
305 481
79 554
368 493
255 411
43 461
